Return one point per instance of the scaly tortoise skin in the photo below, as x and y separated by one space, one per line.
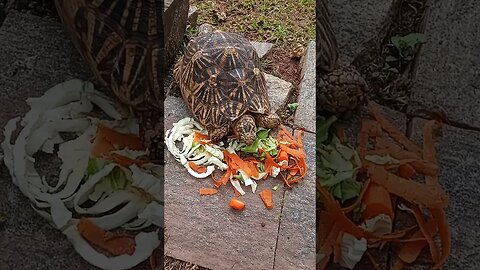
122 43
339 89
220 80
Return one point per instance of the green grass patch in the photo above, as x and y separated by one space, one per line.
284 22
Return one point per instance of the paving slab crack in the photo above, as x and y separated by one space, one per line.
441 117
279 226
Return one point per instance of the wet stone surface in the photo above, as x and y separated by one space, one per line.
305 115
450 83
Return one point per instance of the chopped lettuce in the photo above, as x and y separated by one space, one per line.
337 169
263 141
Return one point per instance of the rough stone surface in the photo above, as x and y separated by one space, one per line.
203 229
355 23
458 151
35 55
277 91
450 83
305 115
262 48
296 236
175 19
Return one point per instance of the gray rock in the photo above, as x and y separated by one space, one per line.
448 74
262 48
296 236
458 153
277 91
305 114
192 16
175 20
356 22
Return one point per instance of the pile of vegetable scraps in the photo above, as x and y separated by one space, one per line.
276 155
362 189
105 182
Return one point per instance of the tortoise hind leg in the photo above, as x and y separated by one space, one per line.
271 120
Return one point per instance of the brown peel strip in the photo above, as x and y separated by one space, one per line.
392 130
414 192
412 249
422 224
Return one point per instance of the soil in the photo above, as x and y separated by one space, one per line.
387 87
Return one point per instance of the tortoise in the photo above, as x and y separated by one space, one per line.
123 44
340 89
222 83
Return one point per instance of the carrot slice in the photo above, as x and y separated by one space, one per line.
200 137
298 153
282 156
266 196
108 140
197 168
406 171
240 163
208 191
237 204
114 244
377 201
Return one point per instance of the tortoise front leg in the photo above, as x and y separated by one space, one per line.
218 134
271 120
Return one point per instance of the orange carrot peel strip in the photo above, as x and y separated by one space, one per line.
115 245
208 191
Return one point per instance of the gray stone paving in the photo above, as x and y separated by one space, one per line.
355 23
448 75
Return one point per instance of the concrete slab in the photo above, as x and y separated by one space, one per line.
36 55
203 229
296 235
305 115
355 23
450 83
458 153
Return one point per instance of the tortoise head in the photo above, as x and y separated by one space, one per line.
246 129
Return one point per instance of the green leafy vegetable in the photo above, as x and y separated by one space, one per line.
338 168
323 127
292 106
275 187
263 141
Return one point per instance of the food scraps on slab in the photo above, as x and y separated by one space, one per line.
105 182
358 216
242 165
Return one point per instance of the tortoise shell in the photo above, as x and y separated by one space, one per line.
220 79
122 43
